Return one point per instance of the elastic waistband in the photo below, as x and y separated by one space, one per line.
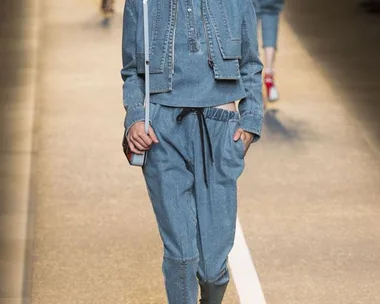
208 112
220 114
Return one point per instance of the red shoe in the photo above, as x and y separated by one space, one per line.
272 93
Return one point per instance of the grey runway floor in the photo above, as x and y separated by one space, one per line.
308 199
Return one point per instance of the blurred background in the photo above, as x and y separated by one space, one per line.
76 225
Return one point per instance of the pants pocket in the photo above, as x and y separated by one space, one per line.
241 148
238 145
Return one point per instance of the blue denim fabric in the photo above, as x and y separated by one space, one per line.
194 87
196 223
230 31
267 12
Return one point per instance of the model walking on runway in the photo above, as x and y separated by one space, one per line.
268 12
203 57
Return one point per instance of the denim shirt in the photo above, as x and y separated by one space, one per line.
231 39
195 87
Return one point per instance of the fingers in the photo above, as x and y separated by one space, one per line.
153 135
139 144
141 140
138 140
238 134
133 148
245 137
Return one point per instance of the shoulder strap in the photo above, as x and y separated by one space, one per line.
147 75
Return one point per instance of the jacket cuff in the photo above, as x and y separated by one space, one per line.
251 124
134 115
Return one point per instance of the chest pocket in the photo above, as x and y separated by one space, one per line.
226 19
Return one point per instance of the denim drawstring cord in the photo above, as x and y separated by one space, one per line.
202 125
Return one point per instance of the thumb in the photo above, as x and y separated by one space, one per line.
152 135
238 133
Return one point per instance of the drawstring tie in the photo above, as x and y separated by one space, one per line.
202 123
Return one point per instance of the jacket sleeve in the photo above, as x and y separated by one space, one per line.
133 87
271 7
251 107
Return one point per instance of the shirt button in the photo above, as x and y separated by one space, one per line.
189 9
191 29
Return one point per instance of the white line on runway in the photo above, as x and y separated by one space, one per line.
243 271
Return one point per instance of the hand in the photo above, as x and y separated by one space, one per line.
246 138
138 140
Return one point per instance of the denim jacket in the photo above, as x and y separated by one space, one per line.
230 28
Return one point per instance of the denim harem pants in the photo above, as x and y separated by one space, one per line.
191 178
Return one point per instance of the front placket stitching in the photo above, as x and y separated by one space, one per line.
173 23
191 27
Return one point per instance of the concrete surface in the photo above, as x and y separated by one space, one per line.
18 52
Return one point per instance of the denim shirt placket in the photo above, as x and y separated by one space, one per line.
173 22
208 35
191 27
193 38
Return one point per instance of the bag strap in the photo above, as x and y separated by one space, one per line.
147 75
